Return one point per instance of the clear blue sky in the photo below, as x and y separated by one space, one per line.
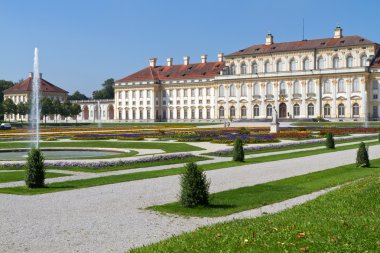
84 42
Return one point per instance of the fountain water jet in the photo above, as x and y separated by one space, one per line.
35 110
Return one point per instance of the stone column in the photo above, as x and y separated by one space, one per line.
263 112
249 97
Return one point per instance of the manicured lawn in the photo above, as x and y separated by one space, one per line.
345 220
167 147
300 146
70 185
246 198
6 177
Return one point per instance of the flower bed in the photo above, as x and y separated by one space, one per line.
107 163
229 151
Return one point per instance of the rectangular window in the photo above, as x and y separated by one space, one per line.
208 101
200 101
200 92
192 113
178 113
148 114
208 114
171 93
185 113
200 113
148 93
163 94
133 94
193 92
185 93
374 96
141 94
208 92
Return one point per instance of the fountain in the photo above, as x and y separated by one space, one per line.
35 110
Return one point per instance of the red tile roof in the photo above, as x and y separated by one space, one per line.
26 86
175 72
303 45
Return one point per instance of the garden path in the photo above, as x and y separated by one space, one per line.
112 218
214 159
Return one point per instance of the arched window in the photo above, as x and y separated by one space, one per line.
296 110
221 112
349 61
363 60
269 89
296 88
336 62
310 87
292 65
232 69
282 88
269 110
279 66
320 63
355 110
341 86
256 89
327 110
326 86
243 111
221 91
310 109
341 110
256 110
254 68
243 90
232 90
243 68
375 85
306 64
232 111
267 67
355 85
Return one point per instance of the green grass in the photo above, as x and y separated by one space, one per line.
167 147
246 198
345 220
13 176
131 166
77 184
300 146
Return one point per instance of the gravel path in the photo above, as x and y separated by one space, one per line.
111 218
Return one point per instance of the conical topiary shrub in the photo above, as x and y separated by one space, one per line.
35 170
362 159
330 143
238 153
194 187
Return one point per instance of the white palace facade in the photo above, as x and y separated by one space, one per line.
335 78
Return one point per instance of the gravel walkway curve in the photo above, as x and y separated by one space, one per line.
111 218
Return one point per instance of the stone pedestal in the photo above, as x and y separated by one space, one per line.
274 128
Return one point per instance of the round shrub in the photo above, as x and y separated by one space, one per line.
35 170
362 159
238 153
194 187
330 143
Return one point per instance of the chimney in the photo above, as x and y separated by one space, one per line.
220 57
169 61
269 39
152 62
30 74
204 58
186 60
338 32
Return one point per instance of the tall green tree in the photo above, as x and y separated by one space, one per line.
35 169
65 109
56 108
77 96
75 110
107 92
3 86
238 153
22 109
9 107
46 107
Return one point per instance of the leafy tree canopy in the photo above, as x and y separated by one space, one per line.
77 96
107 92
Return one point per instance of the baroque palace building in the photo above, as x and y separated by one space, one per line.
335 78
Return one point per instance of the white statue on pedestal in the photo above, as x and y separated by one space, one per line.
275 125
